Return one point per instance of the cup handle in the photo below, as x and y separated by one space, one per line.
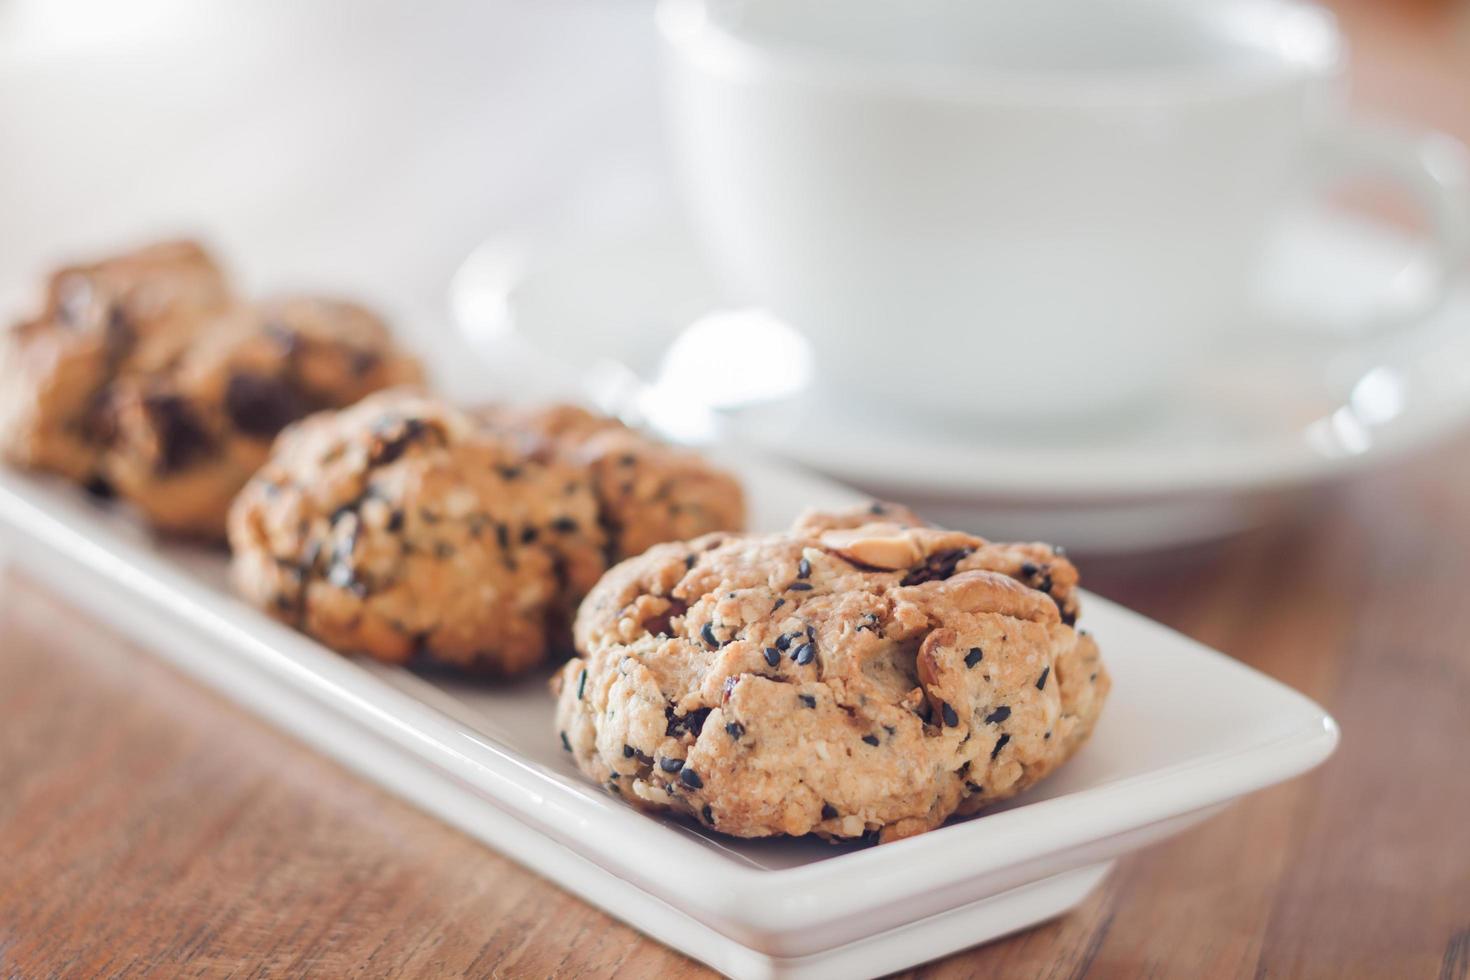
1435 170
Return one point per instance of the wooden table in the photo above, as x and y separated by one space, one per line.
147 826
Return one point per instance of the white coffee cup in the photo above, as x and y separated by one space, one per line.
1021 210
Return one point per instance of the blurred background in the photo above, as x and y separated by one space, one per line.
369 145
373 147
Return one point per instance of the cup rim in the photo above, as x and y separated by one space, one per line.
1314 48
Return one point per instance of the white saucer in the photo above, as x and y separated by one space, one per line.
602 308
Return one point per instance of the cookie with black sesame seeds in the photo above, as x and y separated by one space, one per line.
402 529
648 491
129 314
185 442
862 675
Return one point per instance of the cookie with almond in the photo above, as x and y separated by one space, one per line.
648 491
862 675
185 442
402 529
132 314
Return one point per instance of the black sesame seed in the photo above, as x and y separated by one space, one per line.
780 601
734 729
707 632
974 787
1000 743
783 642
936 567
393 446
1041 681
395 521
803 568
565 525
692 722
773 656
508 472
708 814
799 587
1092 678
670 765
804 654
582 684
99 488
871 739
974 656
1029 568
628 751
875 508
688 561
1047 736
529 534
829 812
564 743
182 436
890 730
691 778
502 536
807 700
950 718
998 715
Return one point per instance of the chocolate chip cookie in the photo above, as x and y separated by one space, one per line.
648 492
861 675
131 314
404 529
186 441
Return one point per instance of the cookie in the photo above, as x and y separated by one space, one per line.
648 492
132 314
403 529
861 675
185 442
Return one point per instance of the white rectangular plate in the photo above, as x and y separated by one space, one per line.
1185 731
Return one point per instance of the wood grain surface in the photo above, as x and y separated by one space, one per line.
149 827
